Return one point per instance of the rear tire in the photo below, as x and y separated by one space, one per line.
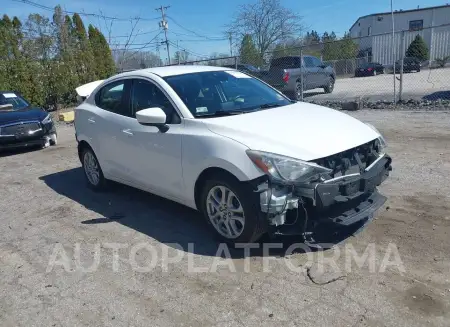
298 91
231 210
92 170
330 86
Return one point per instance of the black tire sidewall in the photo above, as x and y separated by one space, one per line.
297 92
253 228
330 87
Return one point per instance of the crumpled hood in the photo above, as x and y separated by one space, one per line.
8 116
301 130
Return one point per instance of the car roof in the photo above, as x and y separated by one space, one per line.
174 70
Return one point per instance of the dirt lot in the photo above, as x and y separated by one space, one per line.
46 210
427 84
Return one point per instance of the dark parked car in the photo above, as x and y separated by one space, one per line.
369 69
410 64
23 125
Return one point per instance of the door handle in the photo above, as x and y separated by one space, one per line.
91 120
128 132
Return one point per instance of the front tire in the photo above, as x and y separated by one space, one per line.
53 140
231 210
92 170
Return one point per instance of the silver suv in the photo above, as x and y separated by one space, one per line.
287 74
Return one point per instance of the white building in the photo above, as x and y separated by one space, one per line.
374 32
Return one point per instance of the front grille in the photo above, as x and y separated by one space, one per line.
23 129
351 161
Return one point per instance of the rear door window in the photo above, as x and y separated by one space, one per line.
113 97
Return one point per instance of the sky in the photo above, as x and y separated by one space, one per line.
198 25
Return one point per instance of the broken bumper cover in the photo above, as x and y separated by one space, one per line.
343 201
23 138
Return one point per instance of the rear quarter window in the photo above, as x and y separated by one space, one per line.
286 62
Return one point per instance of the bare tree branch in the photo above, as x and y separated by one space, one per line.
268 22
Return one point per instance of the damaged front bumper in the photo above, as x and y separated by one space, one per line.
348 200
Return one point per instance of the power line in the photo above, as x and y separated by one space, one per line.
207 38
137 34
40 33
193 32
188 51
37 5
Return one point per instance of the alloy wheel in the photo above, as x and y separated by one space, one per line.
91 168
225 212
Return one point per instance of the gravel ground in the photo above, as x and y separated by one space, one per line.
46 210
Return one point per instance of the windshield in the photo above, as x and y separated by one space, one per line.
12 98
224 92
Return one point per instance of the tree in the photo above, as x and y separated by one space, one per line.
312 37
248 52
290 47
130 59
180 56
418 48
84 59
109 66
268 22
344 48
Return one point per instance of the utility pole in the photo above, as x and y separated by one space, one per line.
230 37
163 23
393 50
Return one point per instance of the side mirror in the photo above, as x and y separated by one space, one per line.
153 117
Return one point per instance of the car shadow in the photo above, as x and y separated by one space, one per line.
440 95
166 221
16 151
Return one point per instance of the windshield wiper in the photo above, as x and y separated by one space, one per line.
221 113
267 106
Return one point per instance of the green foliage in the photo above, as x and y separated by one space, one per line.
418 49
334 49
46 60
248 52
84 57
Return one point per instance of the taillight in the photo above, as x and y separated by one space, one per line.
286 77
369 69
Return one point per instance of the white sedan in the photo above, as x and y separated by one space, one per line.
227 144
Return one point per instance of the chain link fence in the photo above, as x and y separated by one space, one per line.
370 69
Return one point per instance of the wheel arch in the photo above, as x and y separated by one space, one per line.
83 144
205 175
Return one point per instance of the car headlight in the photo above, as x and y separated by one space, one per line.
285 169
47 120
381 139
